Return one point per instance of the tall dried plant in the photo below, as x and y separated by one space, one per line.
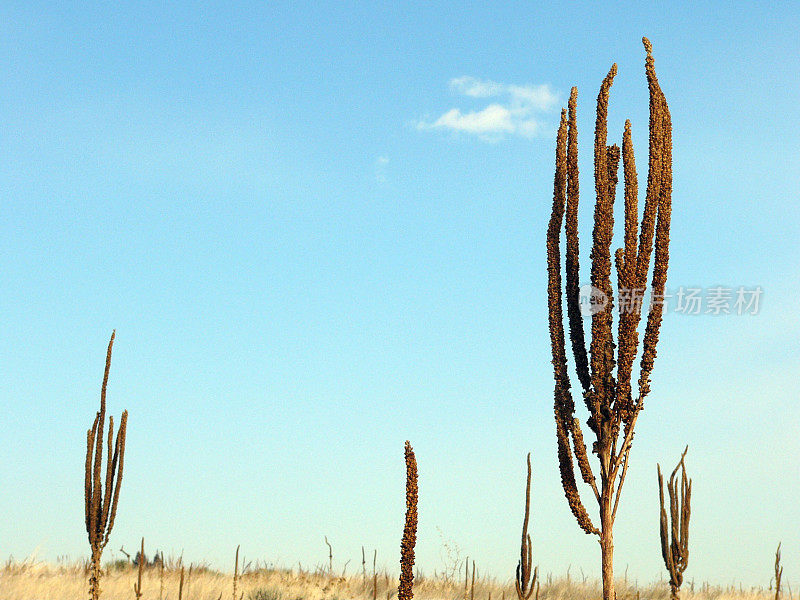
605 379
101 504
524 584
405 589
675 549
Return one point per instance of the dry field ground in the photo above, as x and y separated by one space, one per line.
40 581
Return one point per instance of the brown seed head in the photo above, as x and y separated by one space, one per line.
405 590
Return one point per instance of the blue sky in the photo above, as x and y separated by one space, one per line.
319 231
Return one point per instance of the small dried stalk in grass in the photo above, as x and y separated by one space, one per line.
466 577
605 373
161 577
189 578
675 550
137 587
472 587
100 503
330 556
363 568
405 589
778 573
236 575
524 584
180 586
374 575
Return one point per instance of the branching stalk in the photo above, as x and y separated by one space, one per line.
101 498
605 373
675 533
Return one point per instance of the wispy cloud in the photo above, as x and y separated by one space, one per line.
380 168
517 109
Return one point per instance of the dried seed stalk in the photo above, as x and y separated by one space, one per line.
778 573
330 555
405 589
675 549
137 587
363 568
101 502
605 373
524 584
236 574
472 586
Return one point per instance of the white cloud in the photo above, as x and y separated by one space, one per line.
539 97
514 113
469 86
492 119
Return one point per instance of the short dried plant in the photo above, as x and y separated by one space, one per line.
137 587
675 532
778 573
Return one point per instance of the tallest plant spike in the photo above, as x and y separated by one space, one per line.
102 496
605 372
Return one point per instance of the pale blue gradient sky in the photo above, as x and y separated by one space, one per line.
302 276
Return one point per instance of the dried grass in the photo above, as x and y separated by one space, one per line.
33 580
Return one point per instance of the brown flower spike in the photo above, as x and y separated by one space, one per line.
605 372
405 590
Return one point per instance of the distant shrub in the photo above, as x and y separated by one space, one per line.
119 564
265 594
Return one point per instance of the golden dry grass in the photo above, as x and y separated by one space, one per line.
41 581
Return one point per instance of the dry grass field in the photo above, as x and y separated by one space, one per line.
40 581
